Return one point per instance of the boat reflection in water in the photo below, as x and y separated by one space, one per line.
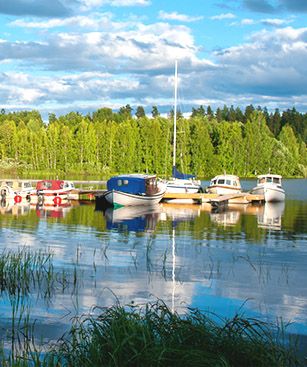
271 215
47 211
10 207
179 212
133 218
229 215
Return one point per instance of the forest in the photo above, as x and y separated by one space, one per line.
245 143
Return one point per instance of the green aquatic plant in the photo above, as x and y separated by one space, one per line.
22 270
153 335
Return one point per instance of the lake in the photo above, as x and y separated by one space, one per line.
249 259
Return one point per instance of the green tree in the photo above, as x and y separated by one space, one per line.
140 112
155 112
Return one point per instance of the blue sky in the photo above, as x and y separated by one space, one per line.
80 55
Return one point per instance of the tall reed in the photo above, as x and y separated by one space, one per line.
154 336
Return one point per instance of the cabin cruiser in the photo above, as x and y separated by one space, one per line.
270 187
16 190
51 192
133 189
225 184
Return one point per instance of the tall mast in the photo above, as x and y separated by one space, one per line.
175 116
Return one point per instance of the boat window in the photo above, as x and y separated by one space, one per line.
221 181
269 179
122 182
235 183
9 183
228 182
276 180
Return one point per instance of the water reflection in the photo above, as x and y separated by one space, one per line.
144 219
46 211
12 208
132 218
270 216
179 212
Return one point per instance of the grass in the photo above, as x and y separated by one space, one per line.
154 336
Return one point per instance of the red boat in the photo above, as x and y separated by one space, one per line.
51 192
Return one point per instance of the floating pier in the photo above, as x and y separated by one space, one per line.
214 199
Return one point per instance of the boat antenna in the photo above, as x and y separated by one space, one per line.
175 114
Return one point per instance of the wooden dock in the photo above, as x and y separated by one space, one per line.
214 199
87 194
198 197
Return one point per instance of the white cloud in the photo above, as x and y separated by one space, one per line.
272 64
223 16
276 22
96 21
180 17
243 22
89 4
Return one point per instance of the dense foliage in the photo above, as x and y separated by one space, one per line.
106 142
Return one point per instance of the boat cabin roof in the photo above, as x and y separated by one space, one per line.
17 184
226 180
132 183
269 175
53 185
231 177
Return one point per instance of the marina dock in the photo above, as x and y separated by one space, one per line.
214 199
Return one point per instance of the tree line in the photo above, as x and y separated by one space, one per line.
107 142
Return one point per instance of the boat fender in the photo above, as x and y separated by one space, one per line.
17 199
57 200
40 199
3 193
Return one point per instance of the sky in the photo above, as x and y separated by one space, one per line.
81 55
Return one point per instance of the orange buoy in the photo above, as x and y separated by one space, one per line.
57 200
17 199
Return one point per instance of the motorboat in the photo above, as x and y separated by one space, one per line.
51 192
270 187
16 190
133 189
225 184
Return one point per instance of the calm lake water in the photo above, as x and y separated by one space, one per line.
248 258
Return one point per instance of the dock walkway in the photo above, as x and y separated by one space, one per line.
214 199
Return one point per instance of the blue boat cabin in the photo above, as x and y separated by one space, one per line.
134 184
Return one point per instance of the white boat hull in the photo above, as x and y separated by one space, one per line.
223 190
49 198
119 198
178 186
274 194
271 192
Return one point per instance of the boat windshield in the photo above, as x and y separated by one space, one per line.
151 186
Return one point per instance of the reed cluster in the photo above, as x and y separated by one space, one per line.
153 335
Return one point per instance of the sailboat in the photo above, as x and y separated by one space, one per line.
180 182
